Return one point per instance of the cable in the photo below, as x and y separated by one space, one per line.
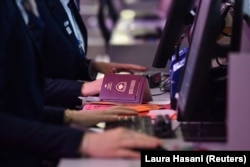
158 94
165 86
218 62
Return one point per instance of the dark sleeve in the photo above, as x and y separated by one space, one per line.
63 93
28 137
54 115
85 70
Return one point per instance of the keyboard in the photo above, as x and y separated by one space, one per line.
205 132
142 124
161 127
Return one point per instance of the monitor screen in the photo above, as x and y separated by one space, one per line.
194 100
179 16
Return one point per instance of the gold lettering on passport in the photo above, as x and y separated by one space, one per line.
132 87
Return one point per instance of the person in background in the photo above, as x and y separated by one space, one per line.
29 135
64 56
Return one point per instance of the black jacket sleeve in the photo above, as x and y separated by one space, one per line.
85 70
28 136
63 93
54 115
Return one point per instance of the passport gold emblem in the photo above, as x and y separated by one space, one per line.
121 86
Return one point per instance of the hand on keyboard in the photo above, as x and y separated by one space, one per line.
118 143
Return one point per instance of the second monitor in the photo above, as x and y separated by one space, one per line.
202 98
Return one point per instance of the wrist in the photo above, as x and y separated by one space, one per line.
84 145
92 71
84 89
101 67
95 65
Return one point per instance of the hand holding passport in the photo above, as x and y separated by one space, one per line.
125 89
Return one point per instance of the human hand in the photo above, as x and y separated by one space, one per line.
109 68
89 118
92 88
117 143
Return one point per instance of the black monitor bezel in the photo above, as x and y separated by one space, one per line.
178 18
237 26
245 35
195 105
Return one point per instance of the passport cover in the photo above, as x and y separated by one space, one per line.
125 89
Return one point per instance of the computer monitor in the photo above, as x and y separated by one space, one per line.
235 42
178 18
196 101
231 26
245 35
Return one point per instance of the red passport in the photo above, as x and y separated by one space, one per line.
125 89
